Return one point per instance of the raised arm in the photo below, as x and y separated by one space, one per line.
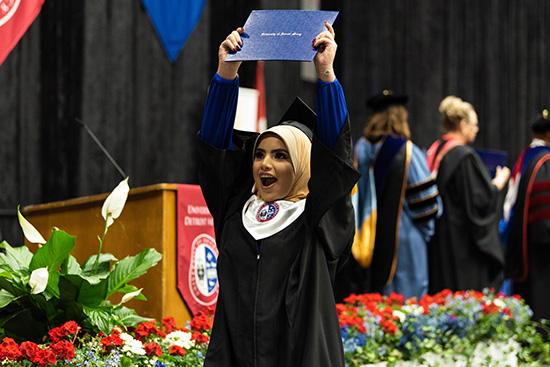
331 105
221 102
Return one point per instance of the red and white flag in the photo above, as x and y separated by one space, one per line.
15 18
261 125
197 253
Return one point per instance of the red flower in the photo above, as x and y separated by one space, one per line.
44 356
153 348
200 337
365 299
389 326
70 328
147 328
395 299
29 349
201 322
57 333
177 350
169 324
112 340
9 349
489 308
63 349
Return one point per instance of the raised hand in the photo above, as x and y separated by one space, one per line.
324 59
232 43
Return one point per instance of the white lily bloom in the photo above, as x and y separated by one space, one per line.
31 233
129 296
113 205
39 280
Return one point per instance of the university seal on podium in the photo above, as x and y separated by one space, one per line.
203 276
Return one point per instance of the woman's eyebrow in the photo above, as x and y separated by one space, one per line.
280 150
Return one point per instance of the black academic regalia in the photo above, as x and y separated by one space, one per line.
465 252
276 307
528 249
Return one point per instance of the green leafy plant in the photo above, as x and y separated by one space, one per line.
43 290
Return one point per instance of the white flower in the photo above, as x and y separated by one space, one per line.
39 280
399 314
498 302
113 205
413 309
131 345
31 234
180 338
128 296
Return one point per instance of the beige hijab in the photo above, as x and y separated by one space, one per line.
299 148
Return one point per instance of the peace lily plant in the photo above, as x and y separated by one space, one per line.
44 290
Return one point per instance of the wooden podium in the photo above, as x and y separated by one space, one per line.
148 220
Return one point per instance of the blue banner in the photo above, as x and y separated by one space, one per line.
174 20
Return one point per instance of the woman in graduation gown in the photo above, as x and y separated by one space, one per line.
525 226
395 206
279 246
465 251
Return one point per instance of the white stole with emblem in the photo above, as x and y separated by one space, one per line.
262 219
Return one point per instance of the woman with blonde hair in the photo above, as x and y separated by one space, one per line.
465 251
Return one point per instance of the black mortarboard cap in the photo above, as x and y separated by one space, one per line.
540 123
386 99
301 116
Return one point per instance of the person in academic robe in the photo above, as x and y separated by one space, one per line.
395 206
283 220
465 252
525 226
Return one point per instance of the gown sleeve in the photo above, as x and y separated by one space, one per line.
481 200
224 169
328 209
219 112
423 202
331 111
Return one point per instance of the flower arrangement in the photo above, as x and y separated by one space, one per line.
41 291
378 328
55 312
149 344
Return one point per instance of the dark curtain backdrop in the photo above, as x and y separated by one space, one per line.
101 62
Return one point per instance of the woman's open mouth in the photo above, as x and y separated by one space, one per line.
267 180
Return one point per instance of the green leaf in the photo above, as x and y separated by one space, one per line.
15 257
104 265
79 289
126 362
70 266
53 284
5 298
131 268
54 252
100 318
24 324
129 317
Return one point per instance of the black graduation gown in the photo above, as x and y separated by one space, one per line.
277 308
528 249
465 252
